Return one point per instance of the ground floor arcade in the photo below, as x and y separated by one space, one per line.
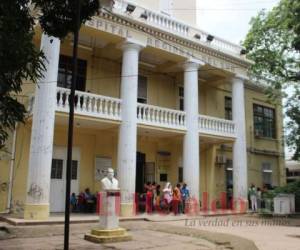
159 159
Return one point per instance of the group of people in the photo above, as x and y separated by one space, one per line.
84 202
256 197
168 199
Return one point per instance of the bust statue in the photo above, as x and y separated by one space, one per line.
109 182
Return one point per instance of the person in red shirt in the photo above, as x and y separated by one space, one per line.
177 200
149 197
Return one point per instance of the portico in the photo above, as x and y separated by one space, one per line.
140 83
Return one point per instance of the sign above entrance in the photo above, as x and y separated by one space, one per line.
161 43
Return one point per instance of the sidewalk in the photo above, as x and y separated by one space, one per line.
267 233
146 235
75 218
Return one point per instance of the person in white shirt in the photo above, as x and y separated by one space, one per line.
253 197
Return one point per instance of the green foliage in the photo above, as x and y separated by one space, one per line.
273 44
59 16
290 188
19 60
293 125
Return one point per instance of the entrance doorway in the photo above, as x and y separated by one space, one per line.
229 182
140 172
58 177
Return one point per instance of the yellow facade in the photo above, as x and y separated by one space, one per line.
99 138
103 142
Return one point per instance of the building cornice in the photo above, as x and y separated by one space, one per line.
165 35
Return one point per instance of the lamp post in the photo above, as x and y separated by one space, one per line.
70 128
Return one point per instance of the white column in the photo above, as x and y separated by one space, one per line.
40 158
128 128
191 158
239 148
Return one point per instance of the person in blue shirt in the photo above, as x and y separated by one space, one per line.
185 194
73 202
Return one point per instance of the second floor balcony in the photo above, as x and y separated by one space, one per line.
110 109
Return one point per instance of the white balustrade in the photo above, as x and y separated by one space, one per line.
110 108
90 104
162 117
216 126
167 23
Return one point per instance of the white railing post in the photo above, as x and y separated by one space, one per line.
217 126
90 104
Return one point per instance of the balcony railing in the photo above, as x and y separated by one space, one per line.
105 107
171 25
162 117
90 104
216 126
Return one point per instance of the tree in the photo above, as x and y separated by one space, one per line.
273 43
58 17
19 59
293 112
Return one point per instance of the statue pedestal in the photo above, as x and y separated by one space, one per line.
109 209
108 229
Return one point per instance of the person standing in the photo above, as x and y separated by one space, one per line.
185 195
153 187
167 195
149 195
253 197
157 198
73 203
177 200
259 197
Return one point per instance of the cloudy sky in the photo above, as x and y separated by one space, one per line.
229 19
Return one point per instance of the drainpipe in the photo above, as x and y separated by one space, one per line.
11 171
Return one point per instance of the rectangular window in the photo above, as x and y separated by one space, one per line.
57 169
229 173
74 170
142 89
264 121
267 174
181 98
65 73
101 165
163 177
180 174
228 108
149 172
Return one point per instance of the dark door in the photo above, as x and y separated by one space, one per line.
140 166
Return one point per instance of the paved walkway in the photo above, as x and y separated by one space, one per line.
51 237
267 234
58 218
201 233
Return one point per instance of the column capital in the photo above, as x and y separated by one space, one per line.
240 77
131 44
191 64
